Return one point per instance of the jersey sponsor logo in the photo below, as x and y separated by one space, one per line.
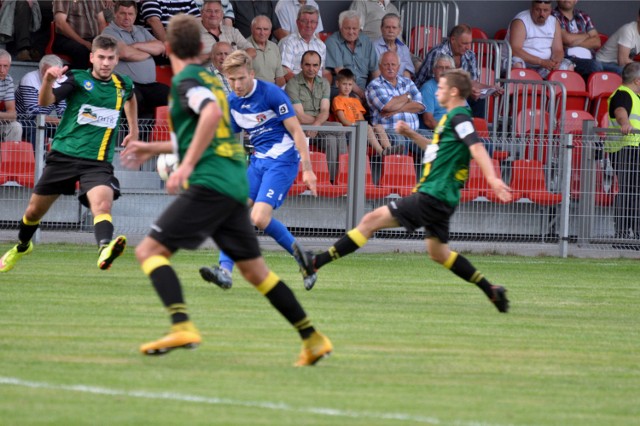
97 116
261 117
283 109
88 85
464 129
245 106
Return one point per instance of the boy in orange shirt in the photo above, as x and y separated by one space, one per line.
348 110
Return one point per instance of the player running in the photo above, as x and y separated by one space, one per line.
265 112
83 148
436 196
213 174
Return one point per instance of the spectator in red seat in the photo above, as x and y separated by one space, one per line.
77 24
621 47
136 49
390 40
536 40
213 30
27 105
267 64
579 37
219 53
10 129
246 10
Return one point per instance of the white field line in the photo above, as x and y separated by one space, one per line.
172 396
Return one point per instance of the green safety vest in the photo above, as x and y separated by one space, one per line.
616 143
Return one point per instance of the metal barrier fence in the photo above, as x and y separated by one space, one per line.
426 23
574 201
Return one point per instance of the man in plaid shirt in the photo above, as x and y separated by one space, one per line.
393 98
579 37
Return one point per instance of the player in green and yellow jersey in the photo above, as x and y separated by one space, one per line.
437 194
212 172
83 148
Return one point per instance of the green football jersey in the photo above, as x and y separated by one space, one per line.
89 126
222 166
446 159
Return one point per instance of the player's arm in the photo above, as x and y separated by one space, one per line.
403 129
46 96
308 177
131 112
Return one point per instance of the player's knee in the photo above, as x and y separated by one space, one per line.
142 253
261 220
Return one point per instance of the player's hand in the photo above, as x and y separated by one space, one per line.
178 179
402 128
309 178
135 153
54 73
501 189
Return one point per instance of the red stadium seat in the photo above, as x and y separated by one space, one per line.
422 38
477 184
477 33
575 119
324 187
577 95
324 35
501 34
160 131
164 74
48 50
17 163
398 174
600 86
528 179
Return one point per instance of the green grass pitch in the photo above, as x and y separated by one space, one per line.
414 344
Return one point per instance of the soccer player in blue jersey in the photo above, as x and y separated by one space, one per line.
264 111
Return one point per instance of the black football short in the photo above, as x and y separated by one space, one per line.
422 210
200 213
61 172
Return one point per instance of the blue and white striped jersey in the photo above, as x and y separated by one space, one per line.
261 114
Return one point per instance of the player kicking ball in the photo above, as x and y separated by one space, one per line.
83 148
213 203
265 112
437 194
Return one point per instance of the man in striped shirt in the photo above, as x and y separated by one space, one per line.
156 14
10 129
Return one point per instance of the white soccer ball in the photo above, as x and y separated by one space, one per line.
166 164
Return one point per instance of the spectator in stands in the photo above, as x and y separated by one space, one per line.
309 95
391 28
10 129
267 64
458 46
393 98
579 37
136 49
621 47
227 9
246 10
213 30
287 12
371 13
536 40
294 45
219 53
156 14
348 48
77 24
27 106
18 20
624 114
348 110
433 111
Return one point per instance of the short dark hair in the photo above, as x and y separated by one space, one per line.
183 36
310 52
345 74
105 42
459 79
125 3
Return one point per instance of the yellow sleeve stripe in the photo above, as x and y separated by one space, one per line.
102 217
29 223
357 237
451 260
268 284
154 262
107 134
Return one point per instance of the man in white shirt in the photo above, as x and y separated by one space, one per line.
287 12
621 47
536 40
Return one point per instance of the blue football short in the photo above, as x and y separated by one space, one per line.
270 180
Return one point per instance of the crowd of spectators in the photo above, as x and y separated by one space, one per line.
278 34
